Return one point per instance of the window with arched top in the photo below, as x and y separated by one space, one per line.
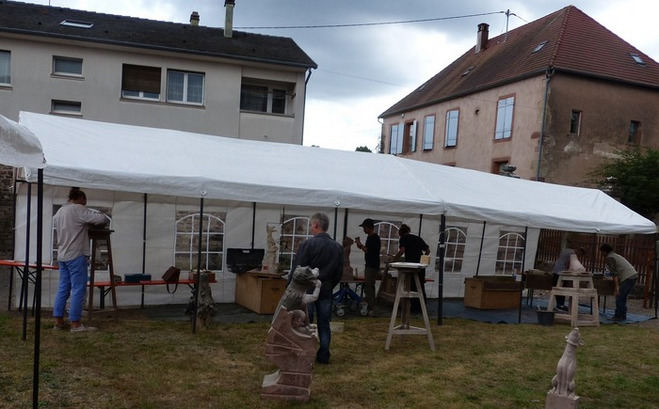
388 233
293 231
510 253
186 249
455 239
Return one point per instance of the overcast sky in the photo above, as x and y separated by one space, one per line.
363 70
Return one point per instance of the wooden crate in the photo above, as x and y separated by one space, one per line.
260 292
492 293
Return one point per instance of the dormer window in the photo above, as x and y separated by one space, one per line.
76 24
637 59
538 47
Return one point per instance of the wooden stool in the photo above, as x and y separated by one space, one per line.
403 293
573 316
97 236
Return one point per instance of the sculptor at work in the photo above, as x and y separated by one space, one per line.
371 251
412 246
72 222
624 277
325 254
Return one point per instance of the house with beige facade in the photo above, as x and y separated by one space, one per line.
547 101
143 72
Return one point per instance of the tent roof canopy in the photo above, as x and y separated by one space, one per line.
18 146
129 158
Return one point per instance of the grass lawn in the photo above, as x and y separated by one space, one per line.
133 362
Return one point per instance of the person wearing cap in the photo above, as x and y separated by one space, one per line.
624 277
371 251
412 246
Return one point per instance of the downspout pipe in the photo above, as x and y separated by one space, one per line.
306 81
541 142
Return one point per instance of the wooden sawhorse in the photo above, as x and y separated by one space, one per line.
407 271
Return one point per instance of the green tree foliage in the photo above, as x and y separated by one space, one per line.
362 149
633 177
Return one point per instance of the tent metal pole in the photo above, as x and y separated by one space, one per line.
26 268
440 284
197 278
253 223
13 247
521 285
420 223
336 219
37 292
345 223
143 239
656 275
480 251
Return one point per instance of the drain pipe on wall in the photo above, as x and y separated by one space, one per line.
306 82
541 142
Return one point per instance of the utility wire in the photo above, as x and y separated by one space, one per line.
383 23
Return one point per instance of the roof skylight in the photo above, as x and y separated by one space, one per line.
538 47
637 59
76 23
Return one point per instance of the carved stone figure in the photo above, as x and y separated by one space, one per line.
562 393
348 273
295 297
292 342
270 261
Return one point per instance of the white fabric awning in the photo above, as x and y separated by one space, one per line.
159 161
18 146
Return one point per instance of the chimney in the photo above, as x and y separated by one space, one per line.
194 19
228 21
481 37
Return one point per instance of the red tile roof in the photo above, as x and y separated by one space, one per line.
575 43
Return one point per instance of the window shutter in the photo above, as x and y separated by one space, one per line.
140 78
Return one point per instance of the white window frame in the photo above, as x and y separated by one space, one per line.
5 67
388 232
451 133
294 230
187 90
273 92
186 241
428 132
66 63
395 141
504 122
455 240
140 93
510 253
575 122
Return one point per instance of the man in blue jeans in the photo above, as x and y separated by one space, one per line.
72 222
322 252
624 277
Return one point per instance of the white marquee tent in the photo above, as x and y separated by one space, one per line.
149 160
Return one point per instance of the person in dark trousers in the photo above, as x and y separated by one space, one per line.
624 277
71 223
412 247
371 251
325 254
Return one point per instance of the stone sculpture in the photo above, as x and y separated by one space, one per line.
292 342
270 261
348 273
562 395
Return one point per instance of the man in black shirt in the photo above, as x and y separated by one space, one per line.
372 261
412 246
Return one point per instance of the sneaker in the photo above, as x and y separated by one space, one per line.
83 328
616 319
